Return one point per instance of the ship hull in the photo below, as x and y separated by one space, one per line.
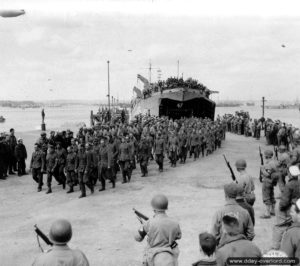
175 104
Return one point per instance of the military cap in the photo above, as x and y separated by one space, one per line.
231 190
207 239
268 153
19 139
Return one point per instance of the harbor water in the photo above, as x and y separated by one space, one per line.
73 116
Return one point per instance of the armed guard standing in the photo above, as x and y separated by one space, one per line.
269 179
37 165
159 148
51 164
162 232
70 169
105 163
246 181
144 151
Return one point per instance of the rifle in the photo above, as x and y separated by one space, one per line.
140 216
40 234
231 171
276 152
261 163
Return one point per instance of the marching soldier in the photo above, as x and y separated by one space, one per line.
43 141
51 164
144 151
162 232
159 147
81 162
183 142
37 165
88 173
113 150
194 142
21 156
105 164
125 155
70 169
61 162
173 149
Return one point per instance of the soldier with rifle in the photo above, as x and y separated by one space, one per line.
60 254
246 181
269 178
162 232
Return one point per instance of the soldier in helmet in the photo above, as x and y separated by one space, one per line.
283 162
162 232
60 234
269 177
246 181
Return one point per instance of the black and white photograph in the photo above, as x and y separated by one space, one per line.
149 132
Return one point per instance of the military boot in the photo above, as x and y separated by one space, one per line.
103 185
83 193
272 211
71 190
267 214
113 183
49 190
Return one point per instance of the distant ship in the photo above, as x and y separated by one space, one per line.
228 104
283 106
174 98
2 119
250 104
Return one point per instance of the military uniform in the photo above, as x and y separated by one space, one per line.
236 246
248 184
21 156
88 173
81 161
105 164
159 147
194 144
125 156
289 196
61 255
51 164
290 242
162 232
37 165
183 142
70 169
245 222
12 159
144 152
61 162
173 150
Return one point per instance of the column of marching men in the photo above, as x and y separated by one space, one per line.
100 152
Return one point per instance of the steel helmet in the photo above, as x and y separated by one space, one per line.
282 148
61 231
240 164
268 153
159 202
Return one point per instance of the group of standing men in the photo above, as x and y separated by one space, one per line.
13 155
98 153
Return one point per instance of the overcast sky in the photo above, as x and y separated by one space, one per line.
59 49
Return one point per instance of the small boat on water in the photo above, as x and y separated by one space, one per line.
2 119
